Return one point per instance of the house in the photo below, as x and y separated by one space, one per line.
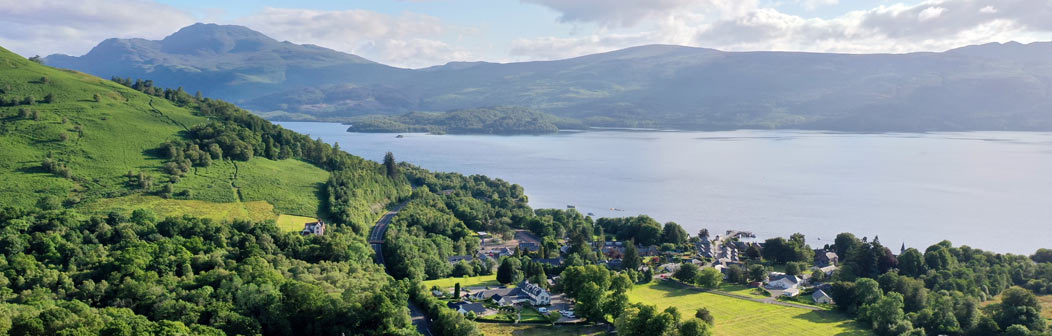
552 261
313 228
828 270
791 292
465 307
825 258
456 259
648 251
821 297
537 295
529 246
784 282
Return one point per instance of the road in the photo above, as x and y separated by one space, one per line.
376 238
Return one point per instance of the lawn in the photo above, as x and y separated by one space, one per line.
500 329
743 290
478 281
743 317
293 223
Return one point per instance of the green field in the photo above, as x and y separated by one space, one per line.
485 280
292 223
743 290
500 329
743 317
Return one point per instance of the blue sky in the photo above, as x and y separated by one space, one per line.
419 33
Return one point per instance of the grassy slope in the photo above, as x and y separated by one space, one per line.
119 133
742 317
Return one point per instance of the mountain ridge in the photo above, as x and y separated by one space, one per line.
644 86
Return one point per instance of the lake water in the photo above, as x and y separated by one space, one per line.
989 190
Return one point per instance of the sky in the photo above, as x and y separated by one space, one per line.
421 33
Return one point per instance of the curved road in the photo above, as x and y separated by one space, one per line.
376 239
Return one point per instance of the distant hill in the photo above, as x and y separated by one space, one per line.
490 120
987 87
78 141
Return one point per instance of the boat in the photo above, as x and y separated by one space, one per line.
400 136
571 206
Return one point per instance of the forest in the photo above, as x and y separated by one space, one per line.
492 120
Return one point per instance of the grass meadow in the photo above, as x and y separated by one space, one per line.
736 317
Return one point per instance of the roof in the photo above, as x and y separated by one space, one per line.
792 278
455 259
476 308
820 294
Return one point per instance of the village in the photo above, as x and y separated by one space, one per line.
540 303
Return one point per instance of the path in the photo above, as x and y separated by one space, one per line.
376 238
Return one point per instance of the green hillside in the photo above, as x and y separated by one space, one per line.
81 141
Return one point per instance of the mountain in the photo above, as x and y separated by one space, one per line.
987 87
230 62
78 141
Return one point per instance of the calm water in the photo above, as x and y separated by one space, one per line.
984 189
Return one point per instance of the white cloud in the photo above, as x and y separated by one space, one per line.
815 4
409 39
933 25
930 13
74 27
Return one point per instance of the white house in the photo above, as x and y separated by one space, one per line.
820 297
537 295
791 292
784 282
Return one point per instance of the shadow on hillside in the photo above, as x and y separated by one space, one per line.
32 168
323 204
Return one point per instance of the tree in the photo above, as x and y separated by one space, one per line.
686 273
390 166
456 291
735 274
554 316
705 315
757 273
642 319
911 263
1019 307
695 327
674 234
884 314
49 98
709 278
753 252
845 242
509 271
818 276
792 268
631 259
1042 256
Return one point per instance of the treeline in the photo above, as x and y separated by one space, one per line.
643 230
492 120
117 275
356 187
939 291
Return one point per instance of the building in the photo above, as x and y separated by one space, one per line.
784 282
821 297
825 258
791 292
537 295
313 228
468 307
648 251
456 259
552 261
